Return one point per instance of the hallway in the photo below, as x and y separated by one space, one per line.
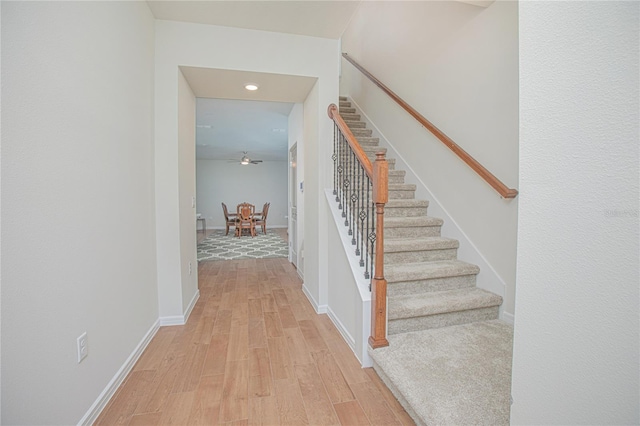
253 352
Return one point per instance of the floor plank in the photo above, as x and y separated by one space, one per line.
350 413
253 352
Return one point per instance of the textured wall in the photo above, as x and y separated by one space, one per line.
576 330
78 246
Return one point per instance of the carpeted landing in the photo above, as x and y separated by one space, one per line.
459 375
218 246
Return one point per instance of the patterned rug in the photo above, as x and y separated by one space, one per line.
217 246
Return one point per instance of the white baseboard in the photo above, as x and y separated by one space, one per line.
320 309
508 318
193 302
342 329
180 319
96 408
173 320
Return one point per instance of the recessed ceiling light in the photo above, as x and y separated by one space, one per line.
251 86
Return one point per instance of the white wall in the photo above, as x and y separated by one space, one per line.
296 136
187 185
457 64
576 330
349 298
209 46
77 201
231 183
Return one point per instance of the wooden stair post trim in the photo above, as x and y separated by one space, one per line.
495 183
333 113
378 336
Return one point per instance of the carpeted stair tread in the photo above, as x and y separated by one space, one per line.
458 375
402 222
428 270
440 302
405 203
373 150
361 132
394 245
368 140
347 110
356 125
353 117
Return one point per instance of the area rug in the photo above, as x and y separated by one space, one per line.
218 246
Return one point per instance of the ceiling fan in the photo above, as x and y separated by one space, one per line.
246 160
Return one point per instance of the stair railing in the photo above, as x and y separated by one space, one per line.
362 190
495 183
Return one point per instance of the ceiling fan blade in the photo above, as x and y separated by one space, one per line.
256 161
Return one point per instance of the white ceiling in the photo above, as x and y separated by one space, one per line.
327 19
225 128
231 119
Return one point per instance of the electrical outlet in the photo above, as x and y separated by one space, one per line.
83 348
190 268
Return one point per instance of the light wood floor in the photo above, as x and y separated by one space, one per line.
253 352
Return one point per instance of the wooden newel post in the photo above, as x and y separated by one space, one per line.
378 336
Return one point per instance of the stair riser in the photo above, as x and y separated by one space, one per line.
351 117
366 146
355 124
368 140
344 104
442 320
347 110
361 132
419 256
405 211
402 195
406 288
412 232
397 195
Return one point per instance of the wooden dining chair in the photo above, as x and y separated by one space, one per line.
261 218
230 219
246 212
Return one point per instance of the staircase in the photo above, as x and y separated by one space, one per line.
443 331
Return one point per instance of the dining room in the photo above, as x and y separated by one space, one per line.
241 158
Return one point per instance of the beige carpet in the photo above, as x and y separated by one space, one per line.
459 375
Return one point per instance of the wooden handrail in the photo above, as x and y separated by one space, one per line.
379 175
495 183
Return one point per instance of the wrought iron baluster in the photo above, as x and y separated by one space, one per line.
345 203
340 170
368 256
357 209
354 198
362 213
372 237
334 157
